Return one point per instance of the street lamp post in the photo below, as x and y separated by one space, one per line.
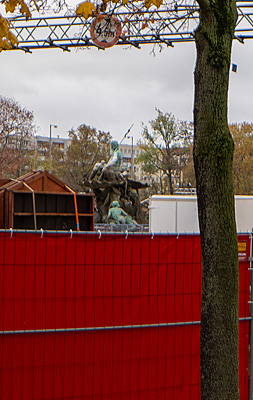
50 143
132 157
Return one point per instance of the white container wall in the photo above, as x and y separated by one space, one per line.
176 214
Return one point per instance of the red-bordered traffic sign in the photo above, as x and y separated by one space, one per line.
105 31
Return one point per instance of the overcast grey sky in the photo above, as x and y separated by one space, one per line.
114 88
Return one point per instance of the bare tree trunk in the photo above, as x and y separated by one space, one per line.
170 181
213 154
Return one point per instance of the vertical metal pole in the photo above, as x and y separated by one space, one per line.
50 142
132 156
132 160
35 153
251 321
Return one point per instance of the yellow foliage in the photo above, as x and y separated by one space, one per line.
85 9
124 2
24 9
10 6
4 27
12 38
156 3
7 39
5 45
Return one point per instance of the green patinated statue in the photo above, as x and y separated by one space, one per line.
116 157
117 215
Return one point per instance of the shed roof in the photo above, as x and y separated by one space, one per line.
39 181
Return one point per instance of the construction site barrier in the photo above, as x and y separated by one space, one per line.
106 316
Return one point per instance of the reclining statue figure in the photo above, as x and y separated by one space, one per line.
117 215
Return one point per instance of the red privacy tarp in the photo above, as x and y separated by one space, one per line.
105 317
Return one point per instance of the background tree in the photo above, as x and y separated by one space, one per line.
149 161
88 146
213 156
188 171
242 161
243 158
16 124
164 148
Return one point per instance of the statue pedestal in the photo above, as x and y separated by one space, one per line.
121 228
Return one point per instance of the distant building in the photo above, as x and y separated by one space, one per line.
17 141
42 143
126 151
39 143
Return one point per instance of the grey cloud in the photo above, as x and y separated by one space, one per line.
111 89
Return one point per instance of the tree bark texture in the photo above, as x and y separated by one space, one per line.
213 155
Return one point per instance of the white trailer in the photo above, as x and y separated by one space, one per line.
176 214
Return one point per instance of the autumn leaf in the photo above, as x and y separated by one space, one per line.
4 26
148 3
10 6
85 9
12 38
7 38
156 3
5 45
24 9
144 25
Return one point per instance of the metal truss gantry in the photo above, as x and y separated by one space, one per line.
167 25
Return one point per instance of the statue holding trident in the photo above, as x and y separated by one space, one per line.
116 155
117 197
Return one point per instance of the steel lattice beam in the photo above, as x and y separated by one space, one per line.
168 24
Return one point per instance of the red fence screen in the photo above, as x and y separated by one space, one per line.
110 317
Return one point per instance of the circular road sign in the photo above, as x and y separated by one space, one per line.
105 31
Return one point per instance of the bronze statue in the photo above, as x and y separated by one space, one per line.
113 188
117 215
116 157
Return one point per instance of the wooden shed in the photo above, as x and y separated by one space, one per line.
40 200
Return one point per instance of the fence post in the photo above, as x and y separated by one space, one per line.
251 321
